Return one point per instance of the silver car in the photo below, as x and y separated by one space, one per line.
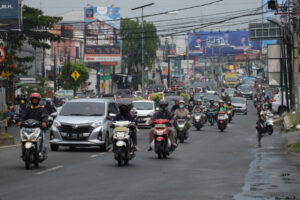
83 122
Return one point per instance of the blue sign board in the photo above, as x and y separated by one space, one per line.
9 14
221 43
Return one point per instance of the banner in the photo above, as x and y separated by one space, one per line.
102 25
10 14
221 43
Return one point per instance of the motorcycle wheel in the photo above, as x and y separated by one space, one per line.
181 139
119 156
198 128
27 158
270 130
36 160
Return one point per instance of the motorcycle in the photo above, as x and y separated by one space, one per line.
211 115
122 144
269 123
230 115
161 143
222 121
199 119
30 142
51 118
182 133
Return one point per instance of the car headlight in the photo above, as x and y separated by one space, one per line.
96 124
56 123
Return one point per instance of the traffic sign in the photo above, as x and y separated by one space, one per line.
106 77
75 75
102 85
2 54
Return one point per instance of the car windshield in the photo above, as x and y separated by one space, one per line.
231 79
238 100
229 91
245 88
143 105
83 109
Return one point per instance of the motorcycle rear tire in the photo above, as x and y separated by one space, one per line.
270 131
198 128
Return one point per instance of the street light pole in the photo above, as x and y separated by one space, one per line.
142 7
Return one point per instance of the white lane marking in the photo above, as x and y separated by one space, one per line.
10 146
49 170
97 155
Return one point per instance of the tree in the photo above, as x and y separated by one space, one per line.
131 34
67 82
35 32
41 87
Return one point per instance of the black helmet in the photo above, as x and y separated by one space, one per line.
124 105
163 102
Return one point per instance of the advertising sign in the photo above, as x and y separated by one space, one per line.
102 25
221 43
9 14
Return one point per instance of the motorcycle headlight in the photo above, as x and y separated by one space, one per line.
96 124
56 123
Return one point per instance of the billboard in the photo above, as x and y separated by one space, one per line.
102 25
222 43
10 14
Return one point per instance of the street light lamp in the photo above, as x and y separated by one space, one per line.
142 7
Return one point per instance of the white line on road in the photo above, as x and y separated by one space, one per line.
97 155
49 170
9 146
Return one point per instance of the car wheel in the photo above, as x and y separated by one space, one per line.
104 147
54 147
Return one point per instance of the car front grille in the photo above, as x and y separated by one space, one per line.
71 129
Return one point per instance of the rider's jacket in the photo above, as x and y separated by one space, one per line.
34 112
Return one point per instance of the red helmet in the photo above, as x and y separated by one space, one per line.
35 95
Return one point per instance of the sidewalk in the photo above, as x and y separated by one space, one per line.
274 173
292 137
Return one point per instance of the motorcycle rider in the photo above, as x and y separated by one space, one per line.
50 108
163 113
36 112
199 108
222 108
183 112
125 115
230 107
175 107
264 112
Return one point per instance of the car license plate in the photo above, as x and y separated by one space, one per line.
141 120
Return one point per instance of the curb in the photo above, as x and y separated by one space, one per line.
7 141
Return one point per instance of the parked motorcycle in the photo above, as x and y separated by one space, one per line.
222 121
122 144
182 133
161 143
31 140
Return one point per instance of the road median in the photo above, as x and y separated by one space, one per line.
6 139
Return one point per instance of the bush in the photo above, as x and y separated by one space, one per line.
185 96
137 98
156 98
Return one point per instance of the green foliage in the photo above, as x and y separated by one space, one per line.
35 32
131 34
185 96
137 98
4 135
41 87
156 98
66 81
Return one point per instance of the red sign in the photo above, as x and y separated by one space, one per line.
2 54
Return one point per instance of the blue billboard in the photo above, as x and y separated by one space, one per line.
9 14
102 25
222 43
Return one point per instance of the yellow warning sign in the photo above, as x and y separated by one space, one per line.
5 75
102 85
75 75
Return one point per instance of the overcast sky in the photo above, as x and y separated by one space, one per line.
59 7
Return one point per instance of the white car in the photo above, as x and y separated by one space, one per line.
145 109
276 104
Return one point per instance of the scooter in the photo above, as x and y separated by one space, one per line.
230 115
222 121
182 134
269 123
31 140
161 143
199 119
51 118
122 144
211 115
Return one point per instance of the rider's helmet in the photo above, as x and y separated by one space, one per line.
266 106
199 102
229 103
221 102
22 101
211 102
124 106
163 105
48 101
37 96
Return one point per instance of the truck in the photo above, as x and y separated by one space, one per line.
231 79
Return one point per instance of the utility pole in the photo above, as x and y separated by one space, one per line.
54 67
295 60
142 7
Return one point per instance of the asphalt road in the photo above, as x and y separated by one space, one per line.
210 165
